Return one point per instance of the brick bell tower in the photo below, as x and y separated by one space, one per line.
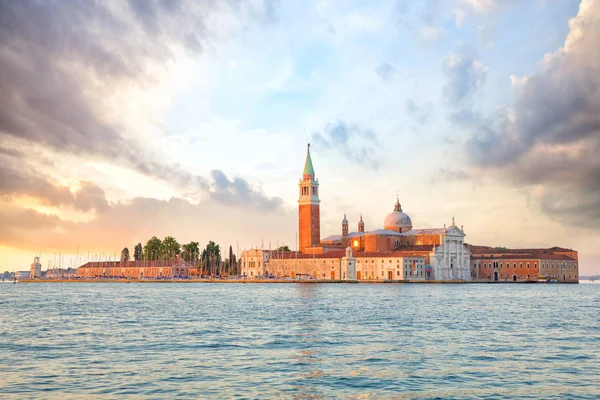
309 220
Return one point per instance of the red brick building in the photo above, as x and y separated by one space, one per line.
495 264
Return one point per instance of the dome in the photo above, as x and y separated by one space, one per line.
361 222
397 219
344 221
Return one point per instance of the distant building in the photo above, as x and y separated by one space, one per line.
36 269
524 265
22 275
398 251
157 269
60 273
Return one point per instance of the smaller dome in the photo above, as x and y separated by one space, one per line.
345 221
361 222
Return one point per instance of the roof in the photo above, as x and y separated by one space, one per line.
308 166
427 231
416 247
502 250
135 264
291 255
537 256
412 232
383 232
396 253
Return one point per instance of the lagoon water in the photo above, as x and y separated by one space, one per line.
195 340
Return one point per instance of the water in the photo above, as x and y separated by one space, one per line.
158 340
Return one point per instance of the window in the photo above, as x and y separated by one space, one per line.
527 265
515 265
521 265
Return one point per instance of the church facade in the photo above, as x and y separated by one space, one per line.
394 252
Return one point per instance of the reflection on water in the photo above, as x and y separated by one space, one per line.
304 341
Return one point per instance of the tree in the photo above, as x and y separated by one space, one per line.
169 248
191 252
124 255
152 249
283 248
230 261
138 253
211 257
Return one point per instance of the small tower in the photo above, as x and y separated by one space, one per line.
36 269
361 224
344 227
309 220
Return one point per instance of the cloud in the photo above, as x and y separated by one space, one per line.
431 32
550 137
447 175
237 192
420 112
485 6
386 71
18 180
357 144
136 221
464 77
61 63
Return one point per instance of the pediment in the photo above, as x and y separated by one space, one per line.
455 231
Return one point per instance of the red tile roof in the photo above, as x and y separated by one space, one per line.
135 264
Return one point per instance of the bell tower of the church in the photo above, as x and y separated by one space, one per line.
309 220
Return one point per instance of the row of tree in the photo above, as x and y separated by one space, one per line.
208 261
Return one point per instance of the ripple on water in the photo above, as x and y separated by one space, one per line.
300 341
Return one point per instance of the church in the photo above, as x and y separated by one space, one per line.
395 251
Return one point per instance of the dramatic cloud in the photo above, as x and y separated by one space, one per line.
126 223
60 65
550 137
357 144
20 180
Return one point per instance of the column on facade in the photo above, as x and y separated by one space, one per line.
443 266
461 261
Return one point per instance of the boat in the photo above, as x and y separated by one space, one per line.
14 281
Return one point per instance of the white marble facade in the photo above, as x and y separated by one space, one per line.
451 260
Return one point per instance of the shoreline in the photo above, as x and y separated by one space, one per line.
277 281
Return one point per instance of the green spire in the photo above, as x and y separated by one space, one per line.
308 167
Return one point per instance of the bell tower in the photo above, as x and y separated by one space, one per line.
309 220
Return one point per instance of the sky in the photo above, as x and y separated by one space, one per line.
123 120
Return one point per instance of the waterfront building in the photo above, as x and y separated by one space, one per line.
156 269
397 251
21 275
36 269
60 273
554 264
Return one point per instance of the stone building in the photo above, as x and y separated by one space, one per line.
157 269
500 264
36 269
397 251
